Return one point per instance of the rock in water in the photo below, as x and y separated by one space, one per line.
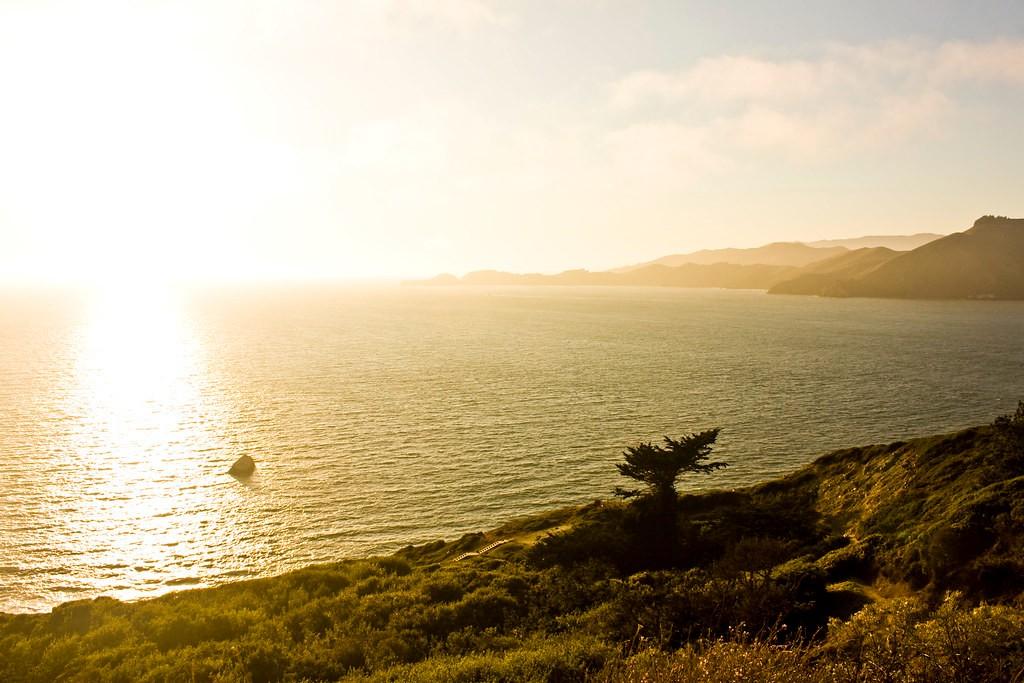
243 467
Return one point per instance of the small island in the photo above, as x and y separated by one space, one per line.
892 562
243 468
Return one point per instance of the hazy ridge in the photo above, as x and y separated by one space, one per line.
775 254
983 262
894 242
829 277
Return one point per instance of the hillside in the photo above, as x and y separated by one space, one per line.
984 262
830 277
839 572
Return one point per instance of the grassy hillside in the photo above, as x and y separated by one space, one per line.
896 562
986 261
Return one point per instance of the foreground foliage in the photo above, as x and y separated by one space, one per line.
887 563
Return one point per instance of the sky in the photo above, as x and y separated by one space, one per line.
307 139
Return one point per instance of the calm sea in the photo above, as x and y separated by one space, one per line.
385 416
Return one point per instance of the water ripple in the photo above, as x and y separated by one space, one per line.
389 416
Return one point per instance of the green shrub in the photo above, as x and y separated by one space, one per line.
853 560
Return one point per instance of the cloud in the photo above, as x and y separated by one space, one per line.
841 71
997 62
834 131
729 78
851 99
663 153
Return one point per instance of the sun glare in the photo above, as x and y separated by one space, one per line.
140 414
135 356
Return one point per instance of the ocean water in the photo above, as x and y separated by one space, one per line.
385 416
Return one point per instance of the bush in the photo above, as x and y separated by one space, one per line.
854 560
902 640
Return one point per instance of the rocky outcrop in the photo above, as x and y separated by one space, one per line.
243 467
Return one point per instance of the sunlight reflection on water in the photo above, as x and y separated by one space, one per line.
138 415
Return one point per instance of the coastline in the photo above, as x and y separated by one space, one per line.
858 532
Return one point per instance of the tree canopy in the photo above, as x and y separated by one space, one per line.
659 466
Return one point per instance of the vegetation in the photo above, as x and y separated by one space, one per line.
658 467
898 562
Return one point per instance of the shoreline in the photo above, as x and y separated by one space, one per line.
930 529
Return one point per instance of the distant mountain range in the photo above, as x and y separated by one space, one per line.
775 254
986 261
790 253
894 242
724 275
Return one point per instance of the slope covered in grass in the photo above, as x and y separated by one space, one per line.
983 262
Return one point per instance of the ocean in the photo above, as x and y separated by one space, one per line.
383 416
